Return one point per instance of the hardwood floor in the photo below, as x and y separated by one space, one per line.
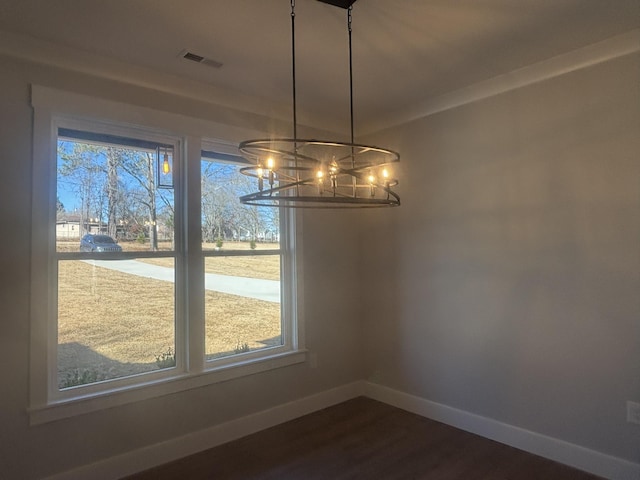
362 439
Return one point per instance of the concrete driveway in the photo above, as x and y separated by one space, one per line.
267 290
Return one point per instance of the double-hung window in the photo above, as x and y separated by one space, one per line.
148 275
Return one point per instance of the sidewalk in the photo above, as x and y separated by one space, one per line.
267 290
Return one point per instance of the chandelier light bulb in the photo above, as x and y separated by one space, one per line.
166 168
372 183
259 173
320 177
270 165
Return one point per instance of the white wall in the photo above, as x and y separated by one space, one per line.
332 318
507 284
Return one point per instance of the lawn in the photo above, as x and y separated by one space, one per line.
111 324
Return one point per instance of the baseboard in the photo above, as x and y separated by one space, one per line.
558 450
148 457
142 459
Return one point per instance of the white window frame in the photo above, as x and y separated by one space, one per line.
53 108
290 337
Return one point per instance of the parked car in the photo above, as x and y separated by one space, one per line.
99 243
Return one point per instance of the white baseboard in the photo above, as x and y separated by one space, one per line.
148 457
558 450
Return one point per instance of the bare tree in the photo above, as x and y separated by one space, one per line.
140 166
222 213
118 183
113 159
84 176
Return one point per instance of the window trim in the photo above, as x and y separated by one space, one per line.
53 108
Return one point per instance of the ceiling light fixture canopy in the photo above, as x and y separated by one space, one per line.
295 172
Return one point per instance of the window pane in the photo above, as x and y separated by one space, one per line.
113 191
115 319
226 223
242 299
242 304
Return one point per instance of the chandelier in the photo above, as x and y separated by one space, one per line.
295 172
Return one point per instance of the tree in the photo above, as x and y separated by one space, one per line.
223 215
83 176
117 183
59 206
140 167
113 159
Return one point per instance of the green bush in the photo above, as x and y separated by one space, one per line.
166 359
219 242
80 377
252 244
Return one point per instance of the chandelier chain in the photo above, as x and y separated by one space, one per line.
293 75
349 18
353 157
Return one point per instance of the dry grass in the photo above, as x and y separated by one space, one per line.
113 324
265 267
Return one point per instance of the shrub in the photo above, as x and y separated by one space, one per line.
80 377
166 359
252 244
219 242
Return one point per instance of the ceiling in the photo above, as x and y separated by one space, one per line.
405 51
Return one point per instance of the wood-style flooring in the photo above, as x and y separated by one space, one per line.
362 439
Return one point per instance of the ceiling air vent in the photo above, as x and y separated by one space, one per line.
194 57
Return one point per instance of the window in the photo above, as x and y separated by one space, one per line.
130 287
116 297
241 249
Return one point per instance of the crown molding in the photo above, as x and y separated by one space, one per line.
594 54
30 49
38 51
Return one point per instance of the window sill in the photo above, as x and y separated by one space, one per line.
143 391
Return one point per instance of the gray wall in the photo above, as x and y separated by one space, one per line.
28 452
507 285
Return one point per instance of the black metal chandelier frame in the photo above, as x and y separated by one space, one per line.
309 173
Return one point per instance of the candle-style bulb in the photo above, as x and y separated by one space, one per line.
259 173
372 181
166 168
333 174
320 177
